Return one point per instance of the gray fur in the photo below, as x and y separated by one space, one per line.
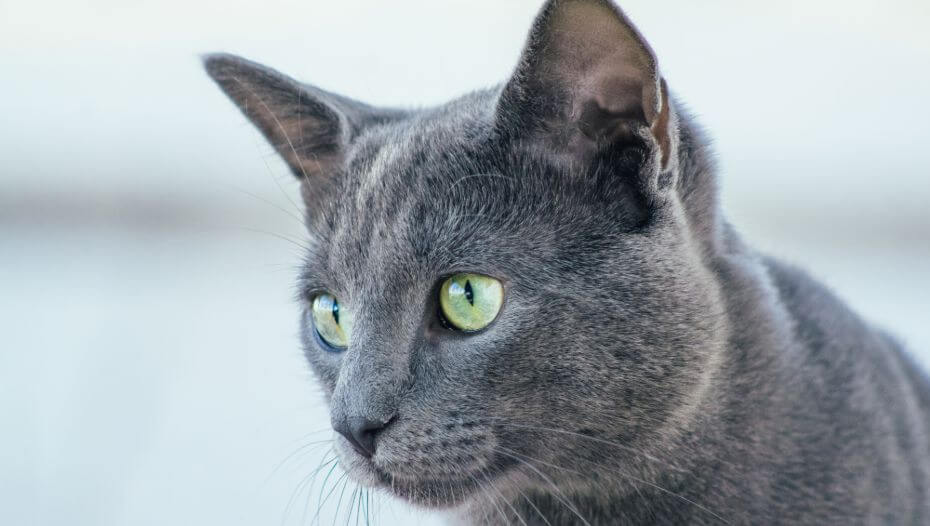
647 366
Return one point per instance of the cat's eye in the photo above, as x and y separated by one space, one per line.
469 302
332 322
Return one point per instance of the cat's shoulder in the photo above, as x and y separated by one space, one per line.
830 330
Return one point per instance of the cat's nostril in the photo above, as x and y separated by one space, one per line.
360 432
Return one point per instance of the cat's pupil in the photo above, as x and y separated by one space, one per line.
469 294
336 310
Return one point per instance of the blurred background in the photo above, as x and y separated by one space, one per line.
149 365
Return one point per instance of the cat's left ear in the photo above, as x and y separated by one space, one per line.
309 127
587 80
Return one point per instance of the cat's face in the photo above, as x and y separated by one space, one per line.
563 200
593 336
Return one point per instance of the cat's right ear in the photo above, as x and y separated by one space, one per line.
309 127
587 81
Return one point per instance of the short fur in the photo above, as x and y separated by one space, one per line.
647 366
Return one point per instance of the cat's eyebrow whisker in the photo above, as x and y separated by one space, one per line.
282 237
300 148
268 202
274 179
297 157
280 126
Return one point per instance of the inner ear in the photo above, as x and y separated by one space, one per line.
586 78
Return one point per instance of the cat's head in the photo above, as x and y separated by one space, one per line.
508 283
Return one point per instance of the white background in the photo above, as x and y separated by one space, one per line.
149 368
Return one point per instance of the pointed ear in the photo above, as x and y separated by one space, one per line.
310 128
587 79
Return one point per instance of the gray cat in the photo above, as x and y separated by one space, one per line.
525 307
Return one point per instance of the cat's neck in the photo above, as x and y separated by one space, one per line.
651 505
697 183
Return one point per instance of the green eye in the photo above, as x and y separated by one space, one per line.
333 323
470 302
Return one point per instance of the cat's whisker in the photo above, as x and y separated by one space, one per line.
303 514
351 505
323 429
299 219
308 479
358 506
367 511
450 491
462 216
503 422
489 498
361 506
342 492
321 501
504 499
599 440
473 176
514 454
299 451
557 492
532 505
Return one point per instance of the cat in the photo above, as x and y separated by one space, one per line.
525 307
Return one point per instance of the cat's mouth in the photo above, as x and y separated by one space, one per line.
437 473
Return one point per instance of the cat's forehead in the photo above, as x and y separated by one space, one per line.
437 142
406 204
438 193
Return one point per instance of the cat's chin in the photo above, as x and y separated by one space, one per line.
425 493
431 494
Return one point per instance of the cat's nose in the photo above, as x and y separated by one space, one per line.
360 432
